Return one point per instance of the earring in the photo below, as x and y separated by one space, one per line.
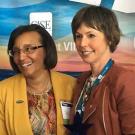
110 43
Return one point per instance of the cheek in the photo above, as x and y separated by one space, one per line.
77 45
77 48
40 57
40 54
15 60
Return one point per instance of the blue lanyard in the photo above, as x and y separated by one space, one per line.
81 100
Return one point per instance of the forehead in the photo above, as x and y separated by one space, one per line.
84 28
27 38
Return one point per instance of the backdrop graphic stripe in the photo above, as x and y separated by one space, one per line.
107 3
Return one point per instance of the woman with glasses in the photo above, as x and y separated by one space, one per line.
104 100
30 100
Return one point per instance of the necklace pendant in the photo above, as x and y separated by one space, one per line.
85 97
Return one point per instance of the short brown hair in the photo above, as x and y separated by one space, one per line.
99 18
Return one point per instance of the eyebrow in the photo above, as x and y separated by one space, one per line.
89 32
26 45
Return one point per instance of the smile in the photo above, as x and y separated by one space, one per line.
86 52
27 64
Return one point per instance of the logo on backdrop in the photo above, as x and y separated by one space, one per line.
44 19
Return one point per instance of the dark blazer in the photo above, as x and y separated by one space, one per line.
111 105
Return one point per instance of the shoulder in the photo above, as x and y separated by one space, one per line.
82 78
63 84
122 73
11 85
121 81
62 76
10 81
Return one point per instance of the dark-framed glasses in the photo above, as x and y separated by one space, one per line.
26 50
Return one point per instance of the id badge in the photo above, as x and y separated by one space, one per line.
66 107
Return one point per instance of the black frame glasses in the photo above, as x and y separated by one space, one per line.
25 50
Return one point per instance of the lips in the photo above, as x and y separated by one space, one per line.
86 52
26 64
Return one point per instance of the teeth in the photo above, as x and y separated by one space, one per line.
27 64
86 52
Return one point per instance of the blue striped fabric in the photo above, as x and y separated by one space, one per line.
107 3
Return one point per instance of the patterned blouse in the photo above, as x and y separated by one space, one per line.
42 113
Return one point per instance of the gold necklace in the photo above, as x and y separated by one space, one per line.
40 99
45 90
34 92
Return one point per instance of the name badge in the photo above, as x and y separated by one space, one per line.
65 107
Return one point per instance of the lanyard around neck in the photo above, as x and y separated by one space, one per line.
80 103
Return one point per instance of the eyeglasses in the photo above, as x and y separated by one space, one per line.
25 50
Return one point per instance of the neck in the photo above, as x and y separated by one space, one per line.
39 83
96 68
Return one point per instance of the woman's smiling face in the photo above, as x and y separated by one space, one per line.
33 63
91 44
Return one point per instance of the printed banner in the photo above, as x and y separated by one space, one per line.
15 12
